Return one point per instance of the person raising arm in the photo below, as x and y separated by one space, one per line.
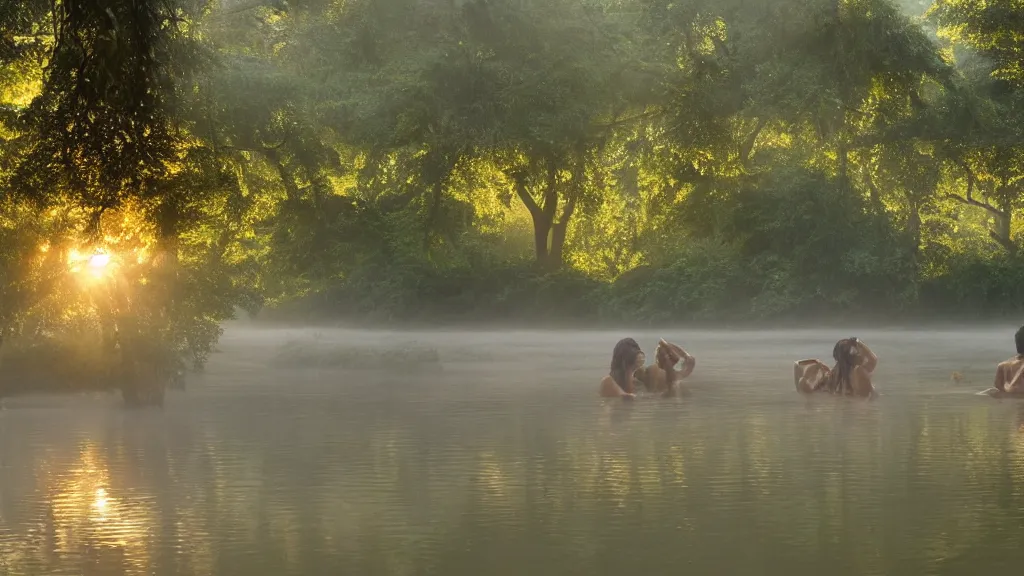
865 363
851 375
663 376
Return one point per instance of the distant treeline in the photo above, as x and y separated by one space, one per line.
639 161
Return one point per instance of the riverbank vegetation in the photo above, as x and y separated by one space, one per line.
165 163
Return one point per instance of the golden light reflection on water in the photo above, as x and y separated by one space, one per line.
101 504
761 453
493 479
675 461
87 518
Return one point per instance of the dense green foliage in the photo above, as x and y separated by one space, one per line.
623 160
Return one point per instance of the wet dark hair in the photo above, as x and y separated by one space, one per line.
623 358
838 381
1019 339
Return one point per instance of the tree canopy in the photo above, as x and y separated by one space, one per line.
163 164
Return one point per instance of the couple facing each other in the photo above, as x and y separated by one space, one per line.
855 362
628 368
850 376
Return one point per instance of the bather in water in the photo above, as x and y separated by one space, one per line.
627 368
851 375
1010 373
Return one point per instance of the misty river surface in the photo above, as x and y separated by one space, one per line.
502 460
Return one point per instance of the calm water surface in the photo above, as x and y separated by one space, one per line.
504 461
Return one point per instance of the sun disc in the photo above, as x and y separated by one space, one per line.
99 261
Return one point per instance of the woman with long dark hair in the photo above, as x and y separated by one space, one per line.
850 376
627 358
627 368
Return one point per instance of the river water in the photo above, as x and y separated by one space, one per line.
503 460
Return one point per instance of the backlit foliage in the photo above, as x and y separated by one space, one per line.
531 158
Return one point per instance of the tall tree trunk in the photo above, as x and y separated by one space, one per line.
541 230
556 257
543 215
1002 228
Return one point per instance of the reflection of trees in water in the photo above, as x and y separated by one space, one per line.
872 488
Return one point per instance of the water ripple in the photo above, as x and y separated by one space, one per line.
505 462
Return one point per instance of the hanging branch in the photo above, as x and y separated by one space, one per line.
969 198
748 143
876 196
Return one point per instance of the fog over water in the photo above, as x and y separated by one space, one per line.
326 451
